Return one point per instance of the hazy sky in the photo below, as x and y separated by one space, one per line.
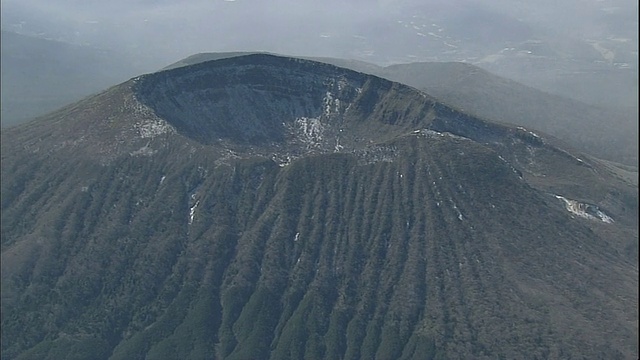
174 29
543 43
193 26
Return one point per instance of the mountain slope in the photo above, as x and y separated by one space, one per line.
268 207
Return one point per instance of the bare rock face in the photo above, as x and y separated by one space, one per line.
269 207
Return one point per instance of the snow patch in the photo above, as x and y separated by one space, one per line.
192 211
433 133
342 83
310 130
587 211
331 102
529 132
427 133
513 169
327 100
152 128
226 156
460 217
282 160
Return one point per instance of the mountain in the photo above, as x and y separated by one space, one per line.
41 75
583 49
271 207
606 133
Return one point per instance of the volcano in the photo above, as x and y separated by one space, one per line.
269 207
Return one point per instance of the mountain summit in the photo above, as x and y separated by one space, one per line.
272 207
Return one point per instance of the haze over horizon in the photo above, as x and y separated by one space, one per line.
175 30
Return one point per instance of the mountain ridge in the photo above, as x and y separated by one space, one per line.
585 127
136 125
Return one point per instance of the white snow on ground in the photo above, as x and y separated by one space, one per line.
510 166
342 83
432 133
283 160
192 212
226 156
150 125
460 217
604 217
427 132
331 104
530 132
310 130
586 211
152 128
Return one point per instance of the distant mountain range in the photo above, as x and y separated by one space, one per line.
271 207
40 75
